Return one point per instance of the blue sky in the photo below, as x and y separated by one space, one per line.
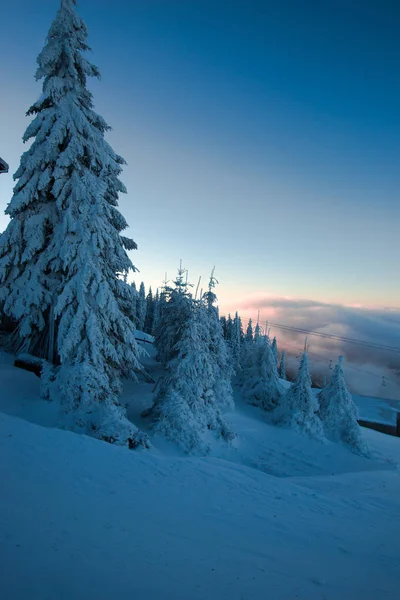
261 137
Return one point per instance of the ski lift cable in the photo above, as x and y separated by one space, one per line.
347 366
334 337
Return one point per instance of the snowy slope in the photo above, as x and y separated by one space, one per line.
379 410
275 516
81 519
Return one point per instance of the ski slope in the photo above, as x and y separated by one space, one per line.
273 516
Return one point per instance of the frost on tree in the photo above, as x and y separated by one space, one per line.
235 342
249 332
274 348
257 332
222 366
174 310
246 355
339 413
156 312
298 407
223 325
148 323
229 328
141 307
134 303
185 409
282 366
63 260
260 380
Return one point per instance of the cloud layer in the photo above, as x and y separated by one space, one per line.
365 366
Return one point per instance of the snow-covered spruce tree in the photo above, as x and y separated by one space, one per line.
175 307
62 258
274 348
223 325
185 409
148 323
241 330
156 312
282 366
134 303
260 380
249 332
246 356
339 413
229 328
141 307
235 342
222 365
298 407
257 332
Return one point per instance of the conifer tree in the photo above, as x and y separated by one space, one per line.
156 312
148 323
235 341
229 328
141 307
175 307
274 348
222 367
134 303
298 407
257 332
339 413
63 260
249 331
247 354
241 332
185 409
260 379
224 327
282 366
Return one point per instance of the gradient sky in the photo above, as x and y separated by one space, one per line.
261 137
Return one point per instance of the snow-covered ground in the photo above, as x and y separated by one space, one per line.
379 410
274 516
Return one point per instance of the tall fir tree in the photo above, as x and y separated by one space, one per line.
185 409
274 348
175 307
148 323
257 332
63 260
249 331
241 331
156 312
247 354
223 325
141 307
299 407
222 366
229 328
339 413
134 303
282 366
260 381
235 341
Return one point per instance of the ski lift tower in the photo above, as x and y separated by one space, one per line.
3 166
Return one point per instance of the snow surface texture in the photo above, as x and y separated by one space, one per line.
274 515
